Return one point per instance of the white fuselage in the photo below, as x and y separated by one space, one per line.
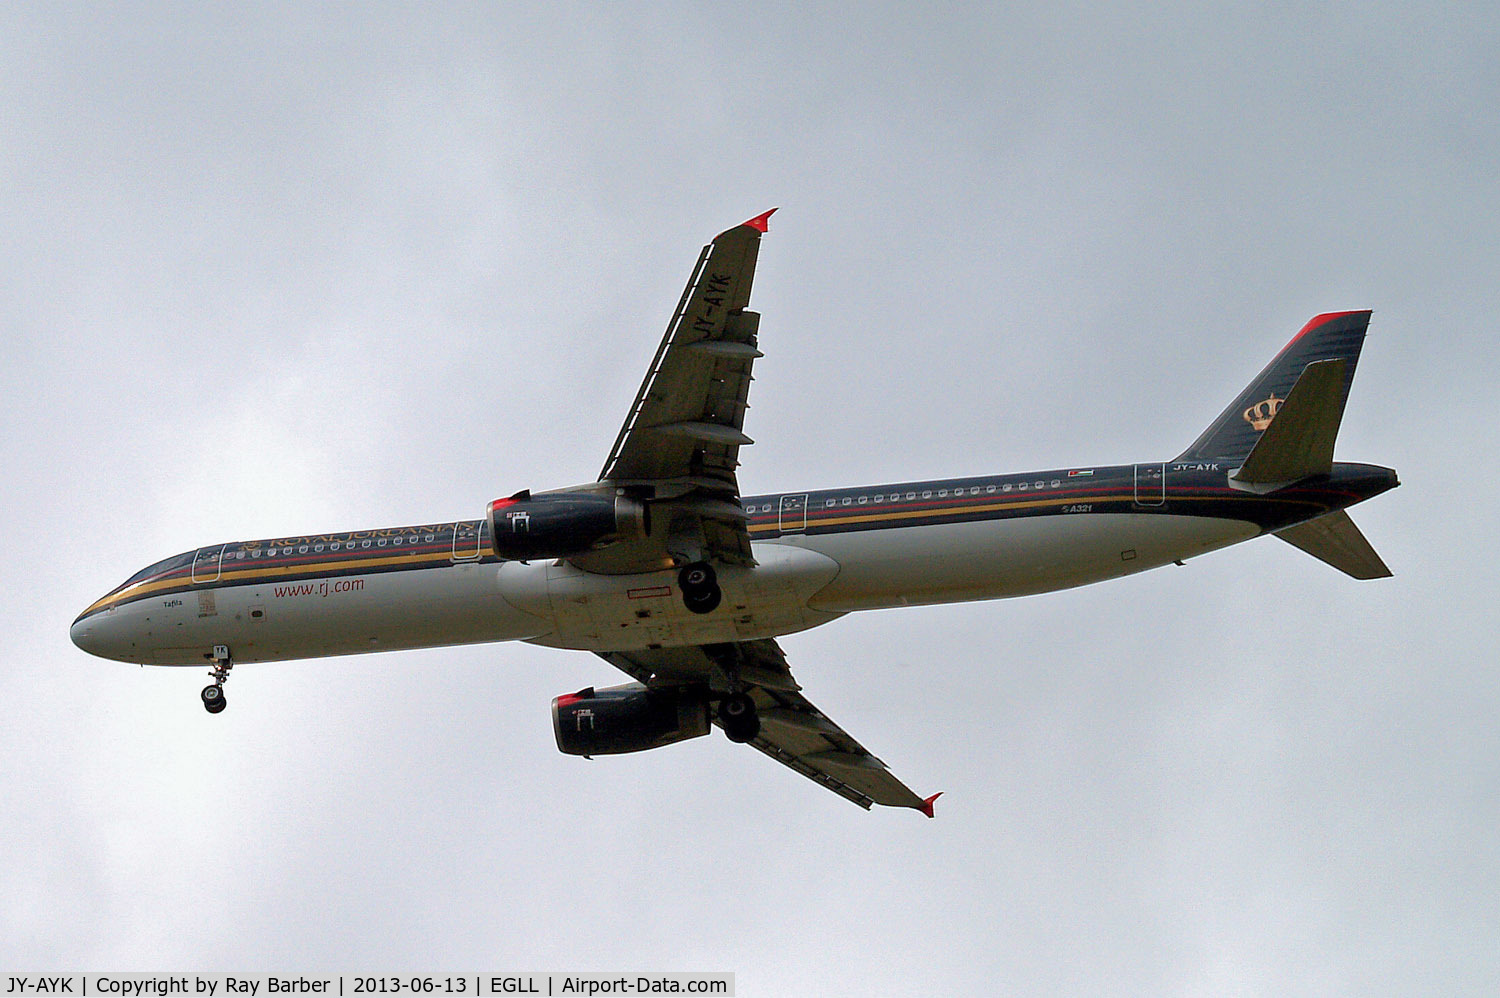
799 581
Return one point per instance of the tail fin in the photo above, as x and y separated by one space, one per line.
1333 336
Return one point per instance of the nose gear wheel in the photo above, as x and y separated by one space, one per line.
213 694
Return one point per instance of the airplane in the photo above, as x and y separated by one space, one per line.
665 570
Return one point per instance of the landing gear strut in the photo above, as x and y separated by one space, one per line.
213 693
738 715
700 587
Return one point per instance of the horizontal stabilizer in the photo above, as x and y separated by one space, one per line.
1298 443
1336 540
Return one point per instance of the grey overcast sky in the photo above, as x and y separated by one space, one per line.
276 268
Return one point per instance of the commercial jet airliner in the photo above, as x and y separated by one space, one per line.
666 571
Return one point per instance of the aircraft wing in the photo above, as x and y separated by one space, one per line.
793 731
679 447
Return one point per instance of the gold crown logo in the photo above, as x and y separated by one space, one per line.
1260 414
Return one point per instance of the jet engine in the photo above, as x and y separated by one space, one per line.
560 524
629 718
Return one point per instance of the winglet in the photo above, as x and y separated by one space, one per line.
926 807
761 222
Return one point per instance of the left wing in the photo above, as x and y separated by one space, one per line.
679 447
793 731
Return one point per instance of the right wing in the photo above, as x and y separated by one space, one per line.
793 731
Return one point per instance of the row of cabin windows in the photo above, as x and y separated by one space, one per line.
926 494
351 545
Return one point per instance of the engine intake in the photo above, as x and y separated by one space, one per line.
560 524
629 718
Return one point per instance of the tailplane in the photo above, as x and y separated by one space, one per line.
1298 443
1317 366
1335 539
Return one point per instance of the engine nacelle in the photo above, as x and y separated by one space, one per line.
560 524
629 718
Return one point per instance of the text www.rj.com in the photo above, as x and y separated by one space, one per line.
325 588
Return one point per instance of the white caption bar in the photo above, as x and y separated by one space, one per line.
364 985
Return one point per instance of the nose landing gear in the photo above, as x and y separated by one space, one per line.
213 693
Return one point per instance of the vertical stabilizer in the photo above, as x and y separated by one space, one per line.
1331 336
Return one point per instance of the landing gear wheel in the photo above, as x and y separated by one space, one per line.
213 693
704 602
738 715
698 576
700 587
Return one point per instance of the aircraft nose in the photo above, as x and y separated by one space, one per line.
99 634
84 635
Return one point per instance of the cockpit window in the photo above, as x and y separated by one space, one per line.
164 567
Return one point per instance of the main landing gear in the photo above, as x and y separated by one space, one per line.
700 587
738 715
213 693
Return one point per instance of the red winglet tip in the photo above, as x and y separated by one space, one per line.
761 223
926 807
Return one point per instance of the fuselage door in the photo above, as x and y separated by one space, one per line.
206 564
466 540
1150 484
793 514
